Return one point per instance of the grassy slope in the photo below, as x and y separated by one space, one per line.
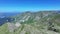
4 29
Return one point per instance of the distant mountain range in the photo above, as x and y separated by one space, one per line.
8 14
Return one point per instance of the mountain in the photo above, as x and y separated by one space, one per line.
42 22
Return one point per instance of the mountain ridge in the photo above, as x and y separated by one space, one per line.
43 22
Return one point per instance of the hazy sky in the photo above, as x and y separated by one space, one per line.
29 5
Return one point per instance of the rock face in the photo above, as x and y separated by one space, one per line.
11 27
17 24
43 22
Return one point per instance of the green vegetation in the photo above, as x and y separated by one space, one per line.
4 29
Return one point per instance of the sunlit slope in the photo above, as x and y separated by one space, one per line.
43 24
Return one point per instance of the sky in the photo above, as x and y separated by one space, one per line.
28 5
